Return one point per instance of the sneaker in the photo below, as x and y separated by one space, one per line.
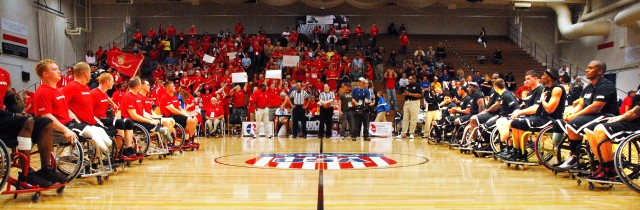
49 174
33 179
411 136
255 136
400 136
128 152
504 151
571 161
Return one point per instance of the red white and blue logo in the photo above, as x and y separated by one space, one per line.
321 161
251 129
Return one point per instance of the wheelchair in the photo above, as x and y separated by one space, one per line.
457 141
147 144
527 144
552 146
481 145
98 164
66 160
627 161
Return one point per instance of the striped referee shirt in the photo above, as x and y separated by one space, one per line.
298 97
326 96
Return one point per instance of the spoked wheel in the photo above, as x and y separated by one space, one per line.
466 135
178 135
5 163
69 159
141 138
551 148
627 162
496 144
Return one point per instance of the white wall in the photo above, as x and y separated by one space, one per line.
24 12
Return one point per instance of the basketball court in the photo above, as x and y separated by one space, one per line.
285 173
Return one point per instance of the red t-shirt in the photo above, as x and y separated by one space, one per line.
167 100
391 82
215 111
137 36
79 101
274 97
260 98
332 79
628 101
404 40
100 103
117 97
206 100
374 31
171 31
28 102
48 100
238 99
130 101
5 82
147 105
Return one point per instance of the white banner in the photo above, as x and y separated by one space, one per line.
240 77
321 20
209 59
249 128
274 74
380 129
290 60
631 55
232 55
14 27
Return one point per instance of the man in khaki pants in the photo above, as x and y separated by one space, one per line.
412 95
262 110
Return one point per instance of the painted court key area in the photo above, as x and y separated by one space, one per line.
324 161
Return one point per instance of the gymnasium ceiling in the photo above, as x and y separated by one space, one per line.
362 4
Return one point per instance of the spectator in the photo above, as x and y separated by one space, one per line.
403 82
482 59
359 36
497 57
440 51
483 38
391 30
419 52
404 43
90 58
627 102
373 32
382 108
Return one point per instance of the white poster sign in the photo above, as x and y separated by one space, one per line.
632 55
209 59
14 27
232 55
290 60
380 129
250 128
321 20
240 77
274 74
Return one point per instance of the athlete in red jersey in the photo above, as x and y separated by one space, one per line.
170 107
101 102
80 106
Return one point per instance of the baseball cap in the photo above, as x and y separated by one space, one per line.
361 79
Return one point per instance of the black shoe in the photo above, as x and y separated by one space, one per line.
49 174
129 152
33 179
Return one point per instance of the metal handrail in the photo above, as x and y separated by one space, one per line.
549 60
123 38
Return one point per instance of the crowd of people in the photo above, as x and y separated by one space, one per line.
326 85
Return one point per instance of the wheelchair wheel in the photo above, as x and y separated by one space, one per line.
627 162
68 159
466 135
115 151
458 135
496 144
5 163
178 135
141 138
552 148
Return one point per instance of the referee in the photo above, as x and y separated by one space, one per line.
297 98
326 112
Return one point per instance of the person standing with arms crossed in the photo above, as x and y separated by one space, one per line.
412 95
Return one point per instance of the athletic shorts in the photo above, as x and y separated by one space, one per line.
119 124
618 129
484 117
9 134
490 124
149 127
76 127
531 123
464 119
582 122
180 119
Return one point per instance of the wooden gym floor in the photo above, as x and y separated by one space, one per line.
239 173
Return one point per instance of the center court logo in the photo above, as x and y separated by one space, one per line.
324 161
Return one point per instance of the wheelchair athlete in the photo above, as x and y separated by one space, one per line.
170 107
470 105
531 103
101 103
598 100
147 109
506 103
131 107
550 108
464 110
488 114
